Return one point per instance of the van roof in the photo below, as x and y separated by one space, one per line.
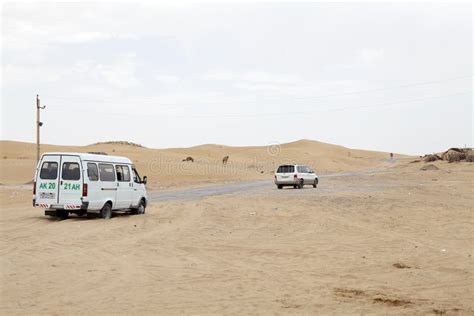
93 157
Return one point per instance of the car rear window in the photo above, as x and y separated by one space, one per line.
49 170
106 172
286 169
71 171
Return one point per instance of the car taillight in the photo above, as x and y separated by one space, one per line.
34 188
295 177
84 189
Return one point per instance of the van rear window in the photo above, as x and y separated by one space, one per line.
49 170
106 172
286 169
71 171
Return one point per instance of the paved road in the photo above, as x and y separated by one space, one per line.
227 188
211 190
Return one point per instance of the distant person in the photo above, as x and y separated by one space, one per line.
391 156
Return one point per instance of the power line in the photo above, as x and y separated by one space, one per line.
275 114
391 88
153 102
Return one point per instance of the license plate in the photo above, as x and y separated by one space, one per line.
47 195
285 177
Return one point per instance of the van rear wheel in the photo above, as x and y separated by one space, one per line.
106 211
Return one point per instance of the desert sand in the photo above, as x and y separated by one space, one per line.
165 168
395 240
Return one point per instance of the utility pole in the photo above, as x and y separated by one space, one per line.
38 125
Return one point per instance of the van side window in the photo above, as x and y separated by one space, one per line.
126 173
71 171
119 173
106 172
303 169
92 171
136 176
123 173
49 170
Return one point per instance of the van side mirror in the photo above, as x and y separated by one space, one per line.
145 180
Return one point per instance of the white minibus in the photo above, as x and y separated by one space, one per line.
89 184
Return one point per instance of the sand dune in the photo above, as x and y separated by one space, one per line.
164 167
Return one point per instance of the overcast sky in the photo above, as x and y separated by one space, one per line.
393 77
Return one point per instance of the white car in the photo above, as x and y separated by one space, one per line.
296 176
87 183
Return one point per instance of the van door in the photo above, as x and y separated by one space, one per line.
138 187
124 186
47 181
94 194
70 183
108 183
308 178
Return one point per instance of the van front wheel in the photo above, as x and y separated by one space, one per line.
139 210
106 211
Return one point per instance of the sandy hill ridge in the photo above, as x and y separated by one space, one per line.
164 167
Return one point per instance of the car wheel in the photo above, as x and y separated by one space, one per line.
141 208
301 184
315 184
279 187
106 211
295 186
138 210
